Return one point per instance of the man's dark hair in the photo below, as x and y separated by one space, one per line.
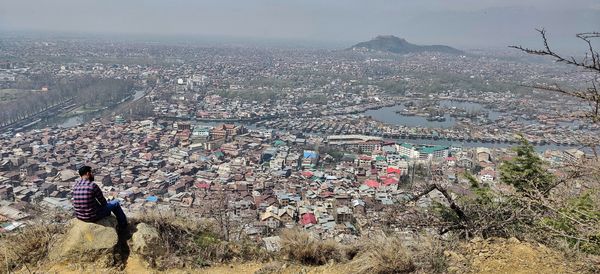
84 170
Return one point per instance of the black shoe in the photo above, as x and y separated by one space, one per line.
123 232
124 235
122 227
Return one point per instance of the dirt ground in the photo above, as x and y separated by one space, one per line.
509 256
477 256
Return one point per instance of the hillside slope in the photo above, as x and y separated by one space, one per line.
177 246
477 256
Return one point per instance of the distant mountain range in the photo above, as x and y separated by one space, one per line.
393 44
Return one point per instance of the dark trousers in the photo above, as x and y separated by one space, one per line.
115 208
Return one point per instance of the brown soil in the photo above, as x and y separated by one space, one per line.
476 256
509 256
136 266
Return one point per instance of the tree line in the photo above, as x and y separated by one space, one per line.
84 91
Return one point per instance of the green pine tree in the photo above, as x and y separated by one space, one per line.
526 172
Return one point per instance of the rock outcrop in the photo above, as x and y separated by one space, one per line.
145 243
87 243
145 240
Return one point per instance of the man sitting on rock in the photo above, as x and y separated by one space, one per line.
89 203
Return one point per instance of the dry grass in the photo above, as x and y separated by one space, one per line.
27 247
270 268
383 255
185 243
429 255
300 246
587 263
188 243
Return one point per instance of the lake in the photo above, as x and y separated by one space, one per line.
388 115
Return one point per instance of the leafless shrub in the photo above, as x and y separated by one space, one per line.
429 255
383 255
300 246
193 243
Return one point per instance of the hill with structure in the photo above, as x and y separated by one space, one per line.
393 44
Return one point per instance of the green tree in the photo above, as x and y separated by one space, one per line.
526 172
578 222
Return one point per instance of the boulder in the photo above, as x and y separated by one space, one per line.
146 241
87 243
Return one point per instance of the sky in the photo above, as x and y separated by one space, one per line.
459 23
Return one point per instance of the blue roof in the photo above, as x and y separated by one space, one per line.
152 199
310 154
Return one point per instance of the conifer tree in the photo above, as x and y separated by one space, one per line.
526 171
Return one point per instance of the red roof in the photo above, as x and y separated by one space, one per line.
486 164
488 172
394 170
203 185
390 181
326 194
308 218
365 158
307 174
372 183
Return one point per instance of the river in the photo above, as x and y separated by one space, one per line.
82 118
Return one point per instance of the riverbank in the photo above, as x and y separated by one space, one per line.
68 121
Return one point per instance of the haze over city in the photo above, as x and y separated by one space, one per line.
462 23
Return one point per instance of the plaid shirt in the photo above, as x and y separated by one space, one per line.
87 200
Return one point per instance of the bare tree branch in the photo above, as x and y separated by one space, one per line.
590 62
547 51
464 220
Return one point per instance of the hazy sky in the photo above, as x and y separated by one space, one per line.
461 23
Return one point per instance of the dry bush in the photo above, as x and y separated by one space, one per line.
429 255
185 242
245 250
350 251
300 246
28 246
383 255
193 242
